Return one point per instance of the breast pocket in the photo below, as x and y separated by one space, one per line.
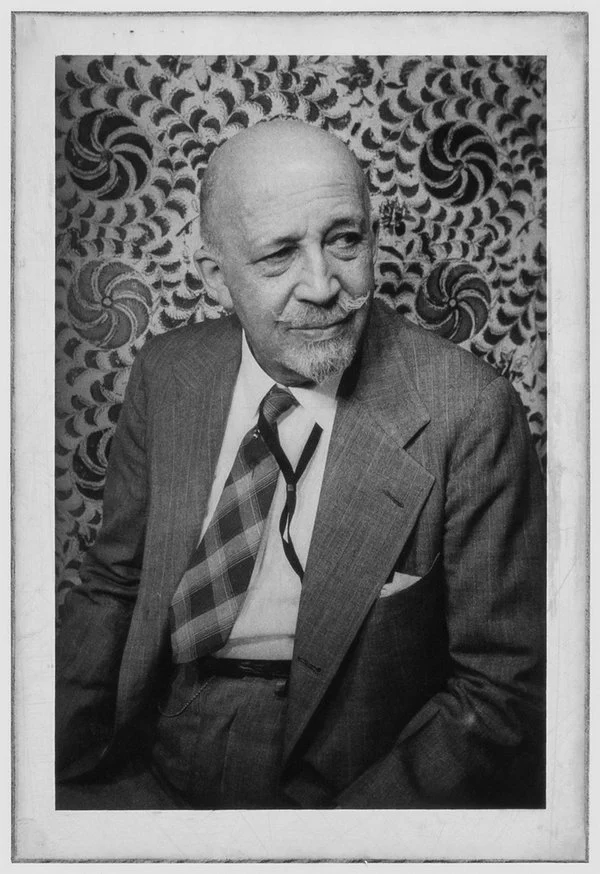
404 584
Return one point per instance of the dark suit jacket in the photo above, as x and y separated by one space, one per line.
432 696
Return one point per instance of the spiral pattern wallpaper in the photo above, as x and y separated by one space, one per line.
454 151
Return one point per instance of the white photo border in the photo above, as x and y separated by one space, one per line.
554 834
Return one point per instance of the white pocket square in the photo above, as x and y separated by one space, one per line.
397 583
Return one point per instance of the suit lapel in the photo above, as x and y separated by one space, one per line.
371 496
196 424
190 424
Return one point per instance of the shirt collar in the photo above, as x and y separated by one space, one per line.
319 401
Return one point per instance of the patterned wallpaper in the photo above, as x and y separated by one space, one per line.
454 149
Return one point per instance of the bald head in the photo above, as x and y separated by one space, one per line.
251 163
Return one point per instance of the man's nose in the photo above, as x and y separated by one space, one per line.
318 283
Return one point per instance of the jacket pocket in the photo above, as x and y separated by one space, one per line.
180 695
398 583
402 585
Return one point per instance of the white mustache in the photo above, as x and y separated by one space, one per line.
314 316
355 303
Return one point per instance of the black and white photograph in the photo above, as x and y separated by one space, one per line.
316 596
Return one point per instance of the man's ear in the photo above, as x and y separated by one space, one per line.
209 268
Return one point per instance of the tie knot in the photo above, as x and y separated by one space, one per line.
276 402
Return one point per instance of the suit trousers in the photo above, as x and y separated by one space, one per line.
218 740
133 786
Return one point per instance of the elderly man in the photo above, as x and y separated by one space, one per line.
320 576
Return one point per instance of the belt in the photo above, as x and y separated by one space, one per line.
270 669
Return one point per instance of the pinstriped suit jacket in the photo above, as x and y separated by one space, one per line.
431 696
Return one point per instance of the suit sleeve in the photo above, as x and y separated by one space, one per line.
97 612
479 741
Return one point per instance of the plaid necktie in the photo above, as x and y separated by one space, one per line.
213 588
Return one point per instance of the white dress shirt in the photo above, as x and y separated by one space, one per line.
266 624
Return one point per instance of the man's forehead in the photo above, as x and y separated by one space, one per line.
264 221
295 203
292 177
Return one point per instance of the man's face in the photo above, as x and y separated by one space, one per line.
296 257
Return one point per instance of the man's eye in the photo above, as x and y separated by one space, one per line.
281 254
345 242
